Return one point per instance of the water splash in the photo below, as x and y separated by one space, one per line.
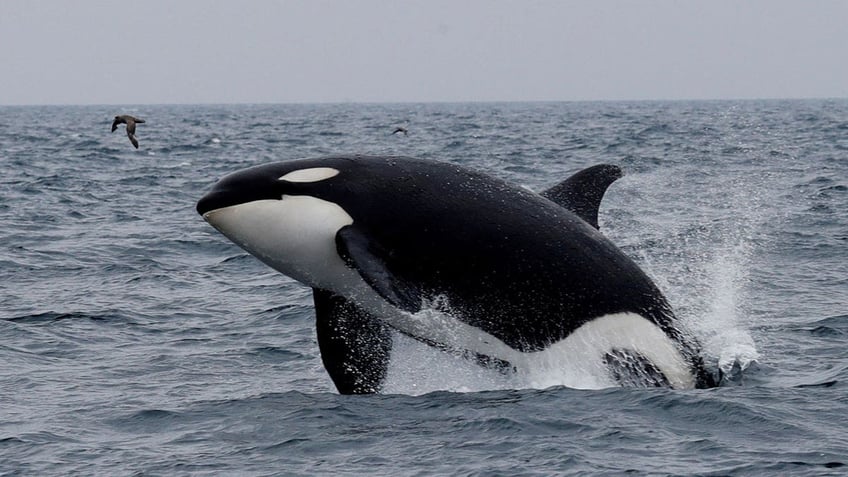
579 362
720 326
417 368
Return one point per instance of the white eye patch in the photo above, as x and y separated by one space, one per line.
313 174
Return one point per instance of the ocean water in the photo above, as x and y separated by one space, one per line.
136 340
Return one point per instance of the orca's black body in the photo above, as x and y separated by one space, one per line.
528 269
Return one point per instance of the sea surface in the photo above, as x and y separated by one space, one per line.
137 341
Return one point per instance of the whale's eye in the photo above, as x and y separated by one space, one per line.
313 174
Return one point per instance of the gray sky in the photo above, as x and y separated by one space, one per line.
201 51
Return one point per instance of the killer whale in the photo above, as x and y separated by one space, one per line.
511 273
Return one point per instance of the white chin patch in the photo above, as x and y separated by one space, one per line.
295 236
313 174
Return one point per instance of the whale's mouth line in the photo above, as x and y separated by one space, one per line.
211 217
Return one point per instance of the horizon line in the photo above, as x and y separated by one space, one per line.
507 101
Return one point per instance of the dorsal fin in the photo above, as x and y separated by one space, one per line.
582 192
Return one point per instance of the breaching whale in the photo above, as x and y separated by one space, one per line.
385 241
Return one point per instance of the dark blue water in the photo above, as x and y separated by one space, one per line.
136 340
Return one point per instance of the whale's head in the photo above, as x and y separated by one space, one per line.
273 211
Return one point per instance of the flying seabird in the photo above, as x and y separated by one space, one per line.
130 122
401 129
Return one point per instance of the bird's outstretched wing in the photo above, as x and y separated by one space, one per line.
130 122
